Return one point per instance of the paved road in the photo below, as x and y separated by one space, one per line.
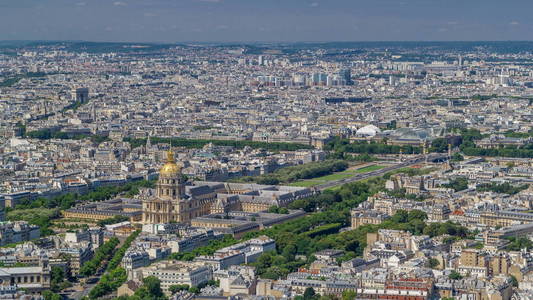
86 288
80 294
379 172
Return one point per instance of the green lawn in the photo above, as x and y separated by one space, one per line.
334 188
369 169
335 176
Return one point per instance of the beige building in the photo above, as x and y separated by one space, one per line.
362 217
505 218
473 262
170 203
175 200
31 278
177 272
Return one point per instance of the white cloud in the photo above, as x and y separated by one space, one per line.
314 4
514 23
81 4
150 14
119 3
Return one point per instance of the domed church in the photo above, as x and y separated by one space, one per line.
175 200
170 202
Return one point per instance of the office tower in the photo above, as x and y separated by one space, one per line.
392 80
319 79
346 75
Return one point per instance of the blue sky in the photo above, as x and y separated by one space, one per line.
265 20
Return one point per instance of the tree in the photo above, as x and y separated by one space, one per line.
178 287
457 157
519 243
417 215
433 263
309 293
458 184
58 280
439 145
49 295
401 216
151 289
212 282
454 275
514 281
349 295
153 285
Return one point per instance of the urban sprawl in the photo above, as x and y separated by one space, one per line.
398 171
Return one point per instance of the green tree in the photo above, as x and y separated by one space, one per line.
178 287
519 243
416 215
458 184
457 157
309 293
349 295
439 145
433 263
150 289
57 279
289 252
49 295
455 275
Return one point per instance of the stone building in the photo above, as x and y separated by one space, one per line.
176 200
31 278
170 202
364 217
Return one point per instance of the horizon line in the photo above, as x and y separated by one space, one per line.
266 42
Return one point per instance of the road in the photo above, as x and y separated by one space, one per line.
379 172
87 287
80 294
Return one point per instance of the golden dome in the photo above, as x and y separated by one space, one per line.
170 168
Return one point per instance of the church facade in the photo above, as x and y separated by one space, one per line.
171 203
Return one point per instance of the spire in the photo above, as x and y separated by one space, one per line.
170 156
148 142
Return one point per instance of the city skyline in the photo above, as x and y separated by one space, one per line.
252 150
